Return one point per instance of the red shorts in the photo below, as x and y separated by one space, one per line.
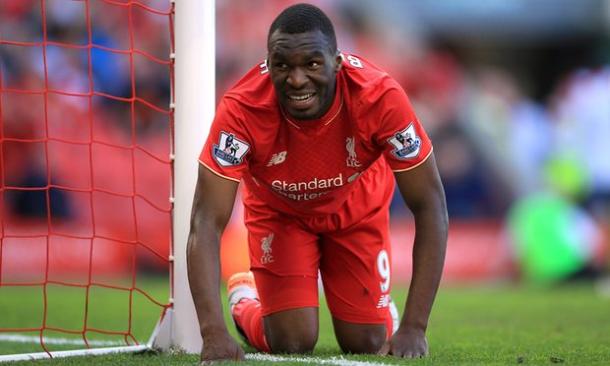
350 250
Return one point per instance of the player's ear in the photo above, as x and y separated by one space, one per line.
338 61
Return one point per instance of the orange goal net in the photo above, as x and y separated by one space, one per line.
86 171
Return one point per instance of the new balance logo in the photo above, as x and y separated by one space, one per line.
278 158
384 301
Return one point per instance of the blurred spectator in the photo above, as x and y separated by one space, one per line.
464 176
581 107
511 129
492 139
554 239
529 144
101 151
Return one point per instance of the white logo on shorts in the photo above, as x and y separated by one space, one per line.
267 257
384 301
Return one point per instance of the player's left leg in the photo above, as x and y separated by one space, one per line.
355 267
365 338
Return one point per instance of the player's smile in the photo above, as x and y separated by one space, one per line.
303 69
301 101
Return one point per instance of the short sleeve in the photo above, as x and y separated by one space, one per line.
228 146
400 135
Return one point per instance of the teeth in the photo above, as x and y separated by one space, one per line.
301 97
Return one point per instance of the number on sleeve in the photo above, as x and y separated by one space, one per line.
264 67
354 61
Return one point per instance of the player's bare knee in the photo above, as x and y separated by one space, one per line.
294 342
292 331
363 341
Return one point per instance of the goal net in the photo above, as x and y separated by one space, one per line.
87 204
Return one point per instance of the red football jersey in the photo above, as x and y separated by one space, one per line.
313 167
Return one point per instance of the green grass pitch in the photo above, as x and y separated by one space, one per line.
499 325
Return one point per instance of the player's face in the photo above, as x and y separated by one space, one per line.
303 69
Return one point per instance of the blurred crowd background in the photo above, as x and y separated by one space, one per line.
85 138
502 87
515 95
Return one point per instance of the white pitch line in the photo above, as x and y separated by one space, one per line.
73 353
18 338
337 361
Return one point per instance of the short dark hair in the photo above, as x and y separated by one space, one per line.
301 18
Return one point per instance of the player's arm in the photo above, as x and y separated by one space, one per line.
423 193
212 207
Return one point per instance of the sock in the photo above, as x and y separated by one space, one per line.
249 317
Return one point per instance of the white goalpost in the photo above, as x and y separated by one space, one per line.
195 106
193 103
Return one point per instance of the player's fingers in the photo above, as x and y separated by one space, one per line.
420 353
396 354
396 351
416 354
385 349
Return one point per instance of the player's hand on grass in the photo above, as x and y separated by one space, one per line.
220 346
407 343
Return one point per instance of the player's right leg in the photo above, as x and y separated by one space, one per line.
284 259
289 331
290 323
245 306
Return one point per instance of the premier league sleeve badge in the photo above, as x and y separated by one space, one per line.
230 150
406 143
